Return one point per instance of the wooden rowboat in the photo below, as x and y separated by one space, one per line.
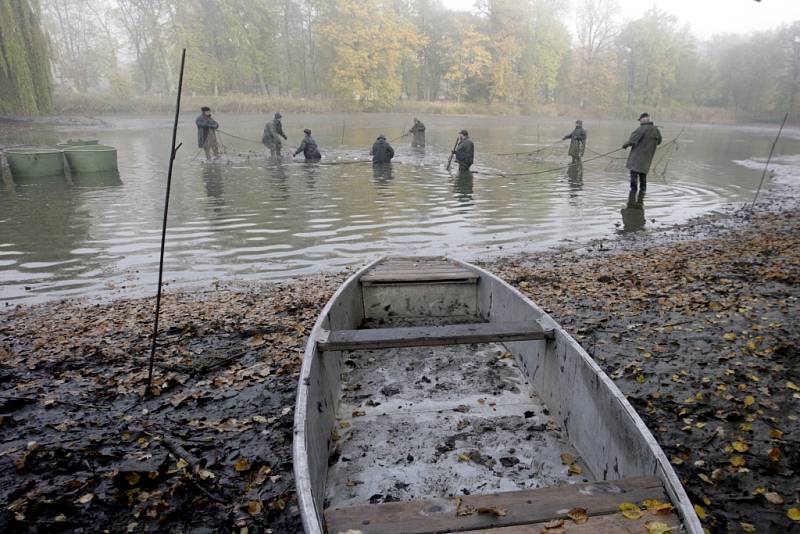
434 397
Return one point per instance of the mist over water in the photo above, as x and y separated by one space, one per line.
246 219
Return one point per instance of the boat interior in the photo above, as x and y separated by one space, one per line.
441 400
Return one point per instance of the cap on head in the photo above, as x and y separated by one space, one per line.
579 122
464 133
205 108
278 115
307 131
644 115
381 136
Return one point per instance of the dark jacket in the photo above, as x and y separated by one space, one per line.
644 141
308 146
204 124
272 130
577 144
382 151
418 133
465 152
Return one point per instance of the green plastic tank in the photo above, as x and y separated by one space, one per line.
81 142
84 159
35 161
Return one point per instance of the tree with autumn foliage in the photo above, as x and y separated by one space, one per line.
369 43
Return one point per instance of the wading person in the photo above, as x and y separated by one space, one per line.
577 144
382 151
308 146
273 131
207 133
643 141
465 151
417 132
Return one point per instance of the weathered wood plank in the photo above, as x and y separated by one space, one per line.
520 508
613 523
424 336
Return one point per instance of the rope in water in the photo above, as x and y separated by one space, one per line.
558 168
220 130
551 145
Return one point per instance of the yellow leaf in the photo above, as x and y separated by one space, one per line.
746 427
133 478
774 433
241 465
676 460
553 524
740 446
254 507
749 400
700 511
793 514
705 478
566 458
657 527
730 336
792 386
259 419
737 461
579 515
747 527
760 490
86 498
774 497
575 469
463 457
651 504
181 463
630 510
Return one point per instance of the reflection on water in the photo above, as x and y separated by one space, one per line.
633 218
246 218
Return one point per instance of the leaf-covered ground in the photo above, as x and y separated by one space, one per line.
697 326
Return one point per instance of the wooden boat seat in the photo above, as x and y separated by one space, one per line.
418 271
512 512
424 336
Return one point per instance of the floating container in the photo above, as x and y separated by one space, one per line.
91 158
35 161
81 142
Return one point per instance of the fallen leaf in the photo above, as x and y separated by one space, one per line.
567 459
553 524
793 386
86 498
241 465
774 497
579 515
740 446
774 454
700 511
205 474
254 507
575 469
493 510
730 336
749 401
737 461
793 514
747 527
181 463
630 510
657 527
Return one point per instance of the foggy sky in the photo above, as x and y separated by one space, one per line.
706 17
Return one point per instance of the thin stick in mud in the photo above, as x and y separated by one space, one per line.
766 165
173 151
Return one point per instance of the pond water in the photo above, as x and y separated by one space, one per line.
245 218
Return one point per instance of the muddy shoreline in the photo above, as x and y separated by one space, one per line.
695 323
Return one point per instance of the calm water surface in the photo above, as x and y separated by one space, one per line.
245 218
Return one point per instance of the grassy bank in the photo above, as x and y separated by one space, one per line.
84 104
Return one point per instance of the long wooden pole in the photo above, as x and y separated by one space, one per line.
452 153
173 151
771 150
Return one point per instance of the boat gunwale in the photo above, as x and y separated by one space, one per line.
302 473
670 479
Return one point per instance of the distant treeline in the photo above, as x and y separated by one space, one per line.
379 54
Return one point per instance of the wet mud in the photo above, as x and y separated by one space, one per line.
697 325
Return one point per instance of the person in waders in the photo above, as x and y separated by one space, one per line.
207 133
273 131
417 132
465 151
308 146
577 144
382 151
643 141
